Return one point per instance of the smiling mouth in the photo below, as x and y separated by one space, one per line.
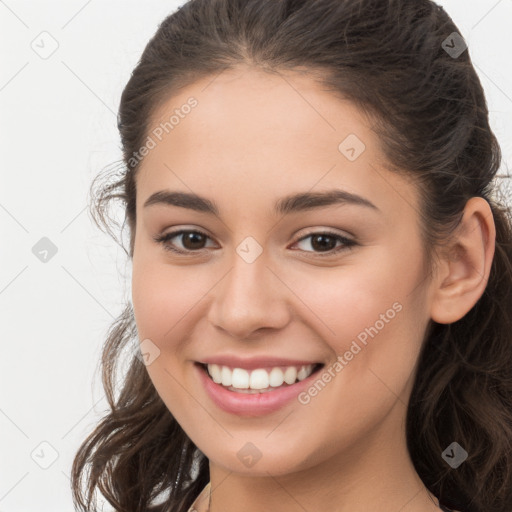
316 368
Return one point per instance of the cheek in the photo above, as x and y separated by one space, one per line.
349 298
165 300
162 295
371 314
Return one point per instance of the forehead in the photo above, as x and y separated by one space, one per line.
264 135
263 111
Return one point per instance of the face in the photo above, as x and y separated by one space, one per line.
340 282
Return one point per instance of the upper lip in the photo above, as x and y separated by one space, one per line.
252 363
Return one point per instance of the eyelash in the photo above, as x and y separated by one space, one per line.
347 243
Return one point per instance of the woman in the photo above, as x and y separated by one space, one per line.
322 278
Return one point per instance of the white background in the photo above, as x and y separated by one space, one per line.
58 130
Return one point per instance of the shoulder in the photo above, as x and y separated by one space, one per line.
444 509
202 501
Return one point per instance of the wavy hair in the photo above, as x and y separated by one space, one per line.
430 113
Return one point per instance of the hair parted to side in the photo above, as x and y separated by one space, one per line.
431 115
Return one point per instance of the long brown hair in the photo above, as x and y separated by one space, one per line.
390 58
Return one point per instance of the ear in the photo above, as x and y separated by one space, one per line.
464 269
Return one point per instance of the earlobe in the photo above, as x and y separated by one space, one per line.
466 267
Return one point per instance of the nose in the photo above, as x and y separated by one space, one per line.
251 297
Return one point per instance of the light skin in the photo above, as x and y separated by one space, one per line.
252 139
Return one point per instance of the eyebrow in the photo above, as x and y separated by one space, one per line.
290 204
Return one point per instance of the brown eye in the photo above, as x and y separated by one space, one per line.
191 241
324 243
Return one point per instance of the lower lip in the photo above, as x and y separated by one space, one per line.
257 404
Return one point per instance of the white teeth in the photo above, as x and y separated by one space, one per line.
225 376
259 379
240 378
276 377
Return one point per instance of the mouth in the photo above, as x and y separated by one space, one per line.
303 373
245 402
